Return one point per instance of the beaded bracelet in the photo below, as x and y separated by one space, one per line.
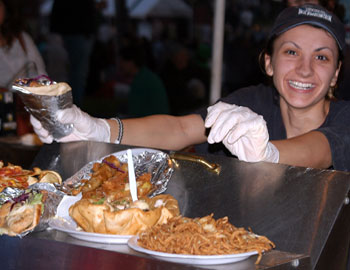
121 130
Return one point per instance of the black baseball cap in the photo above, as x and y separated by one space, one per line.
310 14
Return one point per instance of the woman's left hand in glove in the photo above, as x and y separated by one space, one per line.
242 131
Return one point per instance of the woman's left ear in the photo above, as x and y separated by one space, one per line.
336 74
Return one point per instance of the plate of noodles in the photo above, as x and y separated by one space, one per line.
200 241
191 259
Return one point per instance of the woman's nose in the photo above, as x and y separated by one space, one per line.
304 67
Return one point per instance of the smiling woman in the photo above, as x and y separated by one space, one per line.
294 121
305 67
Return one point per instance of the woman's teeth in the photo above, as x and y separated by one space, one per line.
300 85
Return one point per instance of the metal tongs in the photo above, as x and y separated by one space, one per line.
213 167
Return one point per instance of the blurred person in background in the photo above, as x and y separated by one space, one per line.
293 3
343 85
19 55
56 58
147 94
185 81
334 6
76 22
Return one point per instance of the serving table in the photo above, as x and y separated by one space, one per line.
303 211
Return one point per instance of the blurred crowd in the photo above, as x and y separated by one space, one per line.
170 65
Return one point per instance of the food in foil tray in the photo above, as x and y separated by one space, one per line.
23 198
16 177
42 98
22 214
107 207
109 180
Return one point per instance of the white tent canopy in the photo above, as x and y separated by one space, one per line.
142 9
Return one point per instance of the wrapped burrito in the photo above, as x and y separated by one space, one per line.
42 98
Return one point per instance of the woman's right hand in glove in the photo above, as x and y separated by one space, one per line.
85 127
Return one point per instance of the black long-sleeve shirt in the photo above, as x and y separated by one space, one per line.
264 101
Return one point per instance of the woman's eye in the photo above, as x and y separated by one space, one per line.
291 52
321 57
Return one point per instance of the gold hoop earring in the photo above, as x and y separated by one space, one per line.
330 93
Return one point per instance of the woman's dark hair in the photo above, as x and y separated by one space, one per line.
267 50
13 22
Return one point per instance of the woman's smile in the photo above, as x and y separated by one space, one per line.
301 86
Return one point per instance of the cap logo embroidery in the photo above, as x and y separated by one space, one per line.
315 13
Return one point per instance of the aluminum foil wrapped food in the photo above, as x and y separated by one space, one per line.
42 98
157 163
26 210
104 203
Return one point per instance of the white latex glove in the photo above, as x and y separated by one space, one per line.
42 133
85 127
243 132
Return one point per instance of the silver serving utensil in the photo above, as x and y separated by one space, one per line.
132 178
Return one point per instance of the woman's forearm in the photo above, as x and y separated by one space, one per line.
309 150
161 131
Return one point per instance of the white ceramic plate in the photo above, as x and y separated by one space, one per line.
191 259
64 223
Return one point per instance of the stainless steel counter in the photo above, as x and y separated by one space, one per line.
13 151
295 207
